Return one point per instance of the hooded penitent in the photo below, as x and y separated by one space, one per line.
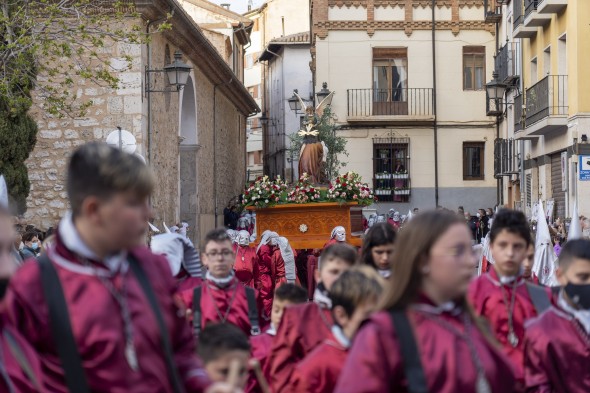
179 252
339 233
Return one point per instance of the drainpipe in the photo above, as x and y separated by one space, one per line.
215 197
435 126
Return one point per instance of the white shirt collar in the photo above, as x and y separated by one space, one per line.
71 238
272 330
220 282
322 299
339 335
385 273
583 316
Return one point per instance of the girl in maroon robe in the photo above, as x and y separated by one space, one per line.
557 343
378 247
427 292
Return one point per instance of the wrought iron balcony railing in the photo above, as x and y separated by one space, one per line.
548 97
517 13
507 63
518 113
390 102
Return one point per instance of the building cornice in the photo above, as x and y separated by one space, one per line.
188 37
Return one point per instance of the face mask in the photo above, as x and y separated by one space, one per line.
478 215
244 239
21 246
579 294
396 217
341 236
3 286
35 246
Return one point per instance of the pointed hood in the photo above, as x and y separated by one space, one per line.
575 231
3 193
545 259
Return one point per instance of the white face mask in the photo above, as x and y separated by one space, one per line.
340 236
478 215
396 217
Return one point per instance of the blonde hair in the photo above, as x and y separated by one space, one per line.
355 287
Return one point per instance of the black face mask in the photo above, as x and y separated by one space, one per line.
3 286
579 294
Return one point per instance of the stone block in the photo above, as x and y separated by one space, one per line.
130 79
58 204
86 122
115 105
48 163
53 134
58 187
52 175
98 133
125 48
52 124
71 134
35 176
40 153
62 145
98 101
120 64
132 105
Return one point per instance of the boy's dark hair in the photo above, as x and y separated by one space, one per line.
218 235
341 251
291 293
354 287
97 169
219 338
578 248
29 235
380 234
512 221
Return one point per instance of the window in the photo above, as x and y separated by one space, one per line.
390 81
547 61
391 167
474 69
473 160
534 76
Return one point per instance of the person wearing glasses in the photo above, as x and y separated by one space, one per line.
222 298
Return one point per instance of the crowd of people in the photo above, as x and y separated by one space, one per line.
99 311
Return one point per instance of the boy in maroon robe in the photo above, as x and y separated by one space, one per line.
264 254
305 326
527 265
285 296
118 322
501 295
354 297
557 343
20 369
222 297
225 350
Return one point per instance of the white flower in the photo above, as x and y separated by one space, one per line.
303 228
266 201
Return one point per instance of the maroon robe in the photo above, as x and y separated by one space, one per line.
330 242
212 296
19 379
375 364
319 371
265 273
303 327
486 297
188 283
97 326
246 267
557 357
261 346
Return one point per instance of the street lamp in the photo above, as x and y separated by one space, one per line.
495 91
294 102
325 92
177 73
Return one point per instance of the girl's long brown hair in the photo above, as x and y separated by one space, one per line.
412 251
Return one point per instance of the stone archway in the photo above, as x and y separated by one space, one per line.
188 159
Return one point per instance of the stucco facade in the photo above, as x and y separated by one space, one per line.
396 126
548 108
194 140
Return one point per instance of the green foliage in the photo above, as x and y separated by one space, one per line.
336 144
51 44
18 134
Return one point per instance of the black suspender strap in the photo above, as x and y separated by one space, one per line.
409 351
252 311
61 329
22 360
197 311
539 297
177 386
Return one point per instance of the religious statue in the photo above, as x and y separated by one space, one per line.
314 153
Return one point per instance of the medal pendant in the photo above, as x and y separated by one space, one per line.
131 357
482 385
512 339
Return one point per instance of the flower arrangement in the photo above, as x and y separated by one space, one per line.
264 192
350 188
304 191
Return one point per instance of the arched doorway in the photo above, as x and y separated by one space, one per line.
188 159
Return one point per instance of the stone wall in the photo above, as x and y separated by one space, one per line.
57 138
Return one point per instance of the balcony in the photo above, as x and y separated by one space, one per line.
551 6
386 106
518 120
532 18
518 27
547 106
492 10
507 63
506 157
